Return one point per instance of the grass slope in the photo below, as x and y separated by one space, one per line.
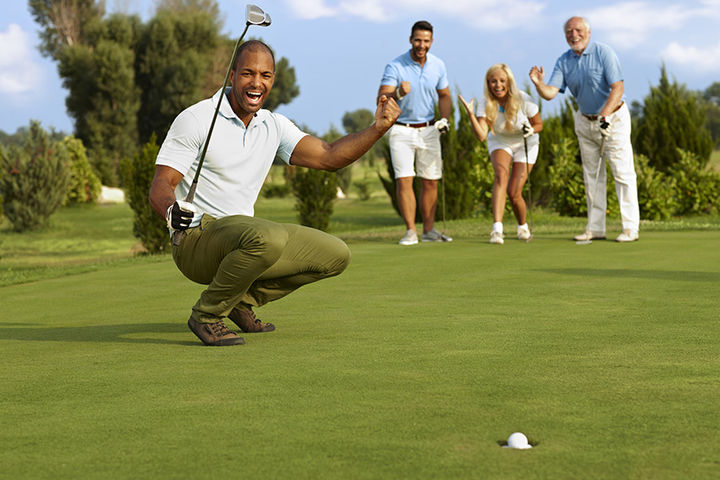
414 363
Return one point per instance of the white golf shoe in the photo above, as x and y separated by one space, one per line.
523 234
627 235
496 238
410 238
585 236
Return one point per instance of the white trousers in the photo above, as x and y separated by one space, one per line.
619 155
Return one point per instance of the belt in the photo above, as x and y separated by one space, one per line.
592 118
417 125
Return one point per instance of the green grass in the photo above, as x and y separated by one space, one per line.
414 363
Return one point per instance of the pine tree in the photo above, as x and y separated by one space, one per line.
672 118
34 179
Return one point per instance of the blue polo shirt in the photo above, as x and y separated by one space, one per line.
419 105
588 76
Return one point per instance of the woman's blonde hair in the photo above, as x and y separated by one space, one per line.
512 105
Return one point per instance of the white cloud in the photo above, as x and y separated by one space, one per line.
19 73
628 24
482 14
698 59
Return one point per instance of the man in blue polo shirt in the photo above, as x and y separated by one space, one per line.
416 79
602 124
245 261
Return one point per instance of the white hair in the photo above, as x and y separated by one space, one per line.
584 20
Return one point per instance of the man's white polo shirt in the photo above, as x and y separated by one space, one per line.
237 160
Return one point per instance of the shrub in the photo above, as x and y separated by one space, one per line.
84 184
34 179
275 191
566 180
363 189
656 191
315 191
697 190
137 174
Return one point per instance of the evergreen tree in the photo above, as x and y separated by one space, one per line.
173 52
137 174
672 118
34 179
84 186
712 97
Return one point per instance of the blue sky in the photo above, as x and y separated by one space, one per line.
340 47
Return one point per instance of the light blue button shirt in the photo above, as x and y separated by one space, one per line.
419 105
588 76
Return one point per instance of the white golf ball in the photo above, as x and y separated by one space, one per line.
518 440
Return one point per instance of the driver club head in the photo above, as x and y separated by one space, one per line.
255 15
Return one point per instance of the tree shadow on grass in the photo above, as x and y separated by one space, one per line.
157 333
677 275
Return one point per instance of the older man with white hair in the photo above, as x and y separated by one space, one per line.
593 74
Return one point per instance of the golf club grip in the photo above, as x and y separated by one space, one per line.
191 194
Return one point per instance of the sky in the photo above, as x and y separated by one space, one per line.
339 48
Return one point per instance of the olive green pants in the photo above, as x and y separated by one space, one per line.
248 260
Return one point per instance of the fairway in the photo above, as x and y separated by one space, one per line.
414 363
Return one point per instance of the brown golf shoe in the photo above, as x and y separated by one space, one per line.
215 334
245 319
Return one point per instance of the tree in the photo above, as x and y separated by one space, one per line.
673 118
64 22
712 97
34 179
172 50
137 174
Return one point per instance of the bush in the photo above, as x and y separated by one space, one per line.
566 180
344 178
137 174
656 191
697 190
363 189
34 179
275 191
85 186
315 191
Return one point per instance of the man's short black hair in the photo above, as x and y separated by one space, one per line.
421 25
253 45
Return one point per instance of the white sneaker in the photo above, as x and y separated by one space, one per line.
410 238
496 237
585 236
435 236
627 235
523 234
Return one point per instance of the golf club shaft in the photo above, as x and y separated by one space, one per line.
191 193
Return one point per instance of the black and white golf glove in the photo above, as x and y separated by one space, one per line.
442 125
605 126
180 215
527 130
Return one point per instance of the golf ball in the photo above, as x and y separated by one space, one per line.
518 440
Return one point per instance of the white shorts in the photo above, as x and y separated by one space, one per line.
409 144
515 148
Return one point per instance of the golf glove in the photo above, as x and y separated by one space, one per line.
527 130
180 215
605 126
442 125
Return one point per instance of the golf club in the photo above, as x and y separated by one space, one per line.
529 202
593 191
254 15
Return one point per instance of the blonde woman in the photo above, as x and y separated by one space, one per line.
505 116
